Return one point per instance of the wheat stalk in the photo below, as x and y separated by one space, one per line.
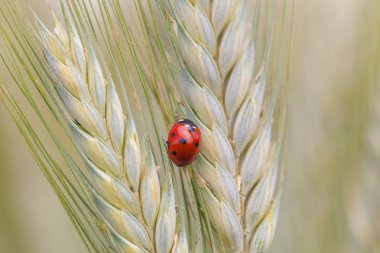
362 205
123 181
238 166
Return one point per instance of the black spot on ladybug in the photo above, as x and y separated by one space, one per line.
174 152
168 143
183 141
173 134
197 144
192 129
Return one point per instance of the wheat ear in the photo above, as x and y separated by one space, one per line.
122 181
238 165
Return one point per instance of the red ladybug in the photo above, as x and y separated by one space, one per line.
184 142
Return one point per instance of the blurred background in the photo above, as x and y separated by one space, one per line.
331 194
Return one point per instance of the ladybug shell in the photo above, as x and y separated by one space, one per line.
184 142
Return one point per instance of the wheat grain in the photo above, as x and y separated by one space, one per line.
263 236
123 184
237 168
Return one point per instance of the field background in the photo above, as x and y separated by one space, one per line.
331 195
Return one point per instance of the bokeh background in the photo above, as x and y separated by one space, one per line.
331 196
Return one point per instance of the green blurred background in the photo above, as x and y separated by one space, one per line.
331 197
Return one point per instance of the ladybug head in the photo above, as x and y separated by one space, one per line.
186 121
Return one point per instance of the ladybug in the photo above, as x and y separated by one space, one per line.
184 142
